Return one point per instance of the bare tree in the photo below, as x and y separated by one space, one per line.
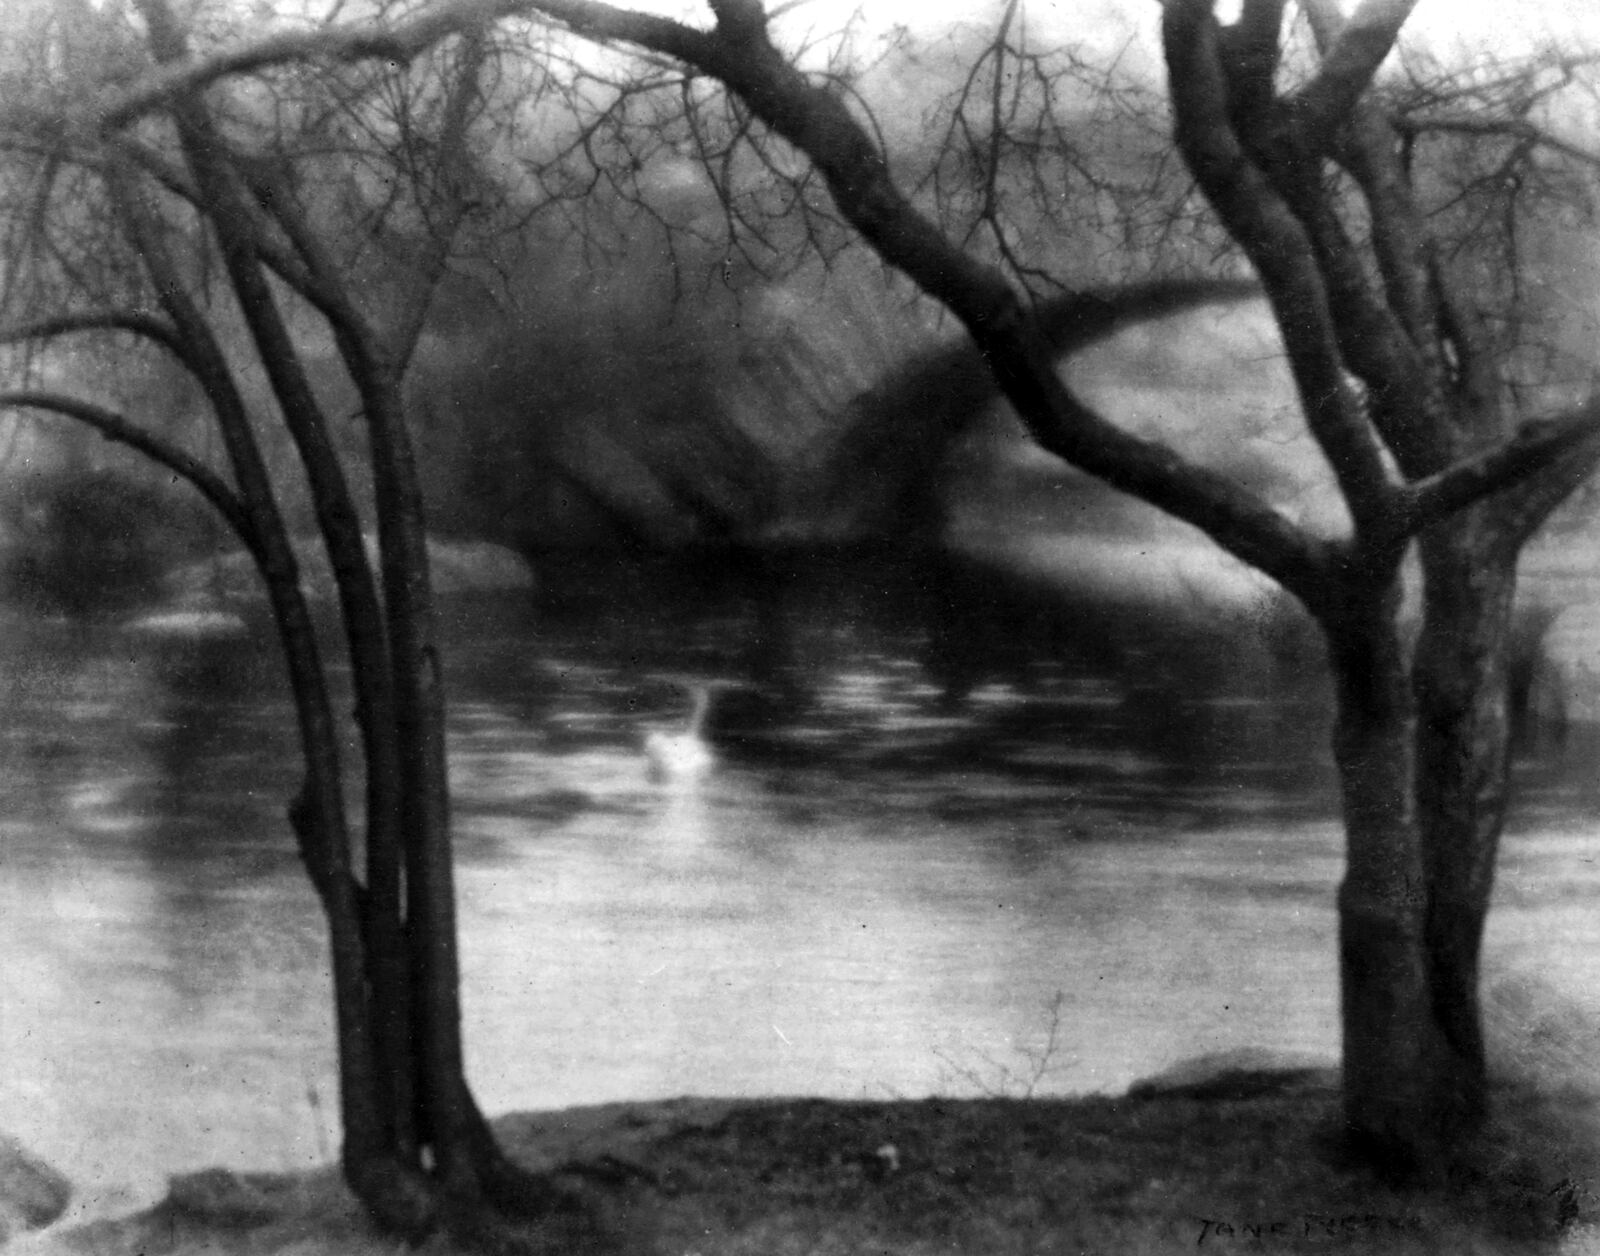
198 233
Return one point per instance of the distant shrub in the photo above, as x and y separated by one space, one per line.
85 543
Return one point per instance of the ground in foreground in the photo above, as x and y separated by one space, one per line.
1241 1162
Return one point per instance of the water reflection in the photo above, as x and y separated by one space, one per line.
887 886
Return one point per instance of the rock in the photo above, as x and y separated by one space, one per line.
220 1198
32 1193
882 1163
1245 1073
476 567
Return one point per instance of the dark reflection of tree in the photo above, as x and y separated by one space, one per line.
162 766
53 677
222 747
222 734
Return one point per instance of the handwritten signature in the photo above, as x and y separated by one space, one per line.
1308 1225
1567 1200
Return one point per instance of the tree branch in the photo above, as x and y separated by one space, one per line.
1537 446
1498 128
1018 353
269 243
1251 49
378 40
115 427
739 53
1282 251
1367 37
1075 320
145 325
1387 336
451 146
949 386
306 264
1370 153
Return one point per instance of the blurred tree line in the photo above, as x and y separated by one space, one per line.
643 336
646 336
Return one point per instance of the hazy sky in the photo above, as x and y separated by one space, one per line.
1503 24
1455 29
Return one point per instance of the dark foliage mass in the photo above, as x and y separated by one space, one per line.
86 542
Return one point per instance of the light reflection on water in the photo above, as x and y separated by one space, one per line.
876 893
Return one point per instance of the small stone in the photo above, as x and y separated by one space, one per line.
881 1163
219 1197
32 1193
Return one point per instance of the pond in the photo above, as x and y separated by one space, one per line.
954 851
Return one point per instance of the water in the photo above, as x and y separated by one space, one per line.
1057 873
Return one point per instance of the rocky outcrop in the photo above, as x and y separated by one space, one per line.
32 1193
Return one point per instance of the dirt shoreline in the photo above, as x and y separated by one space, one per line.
1230 1159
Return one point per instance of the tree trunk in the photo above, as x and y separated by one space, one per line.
468 1160
375 939
445 1106
384 1179
1390 1040
1469 567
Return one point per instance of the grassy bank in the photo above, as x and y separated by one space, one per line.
1241 1162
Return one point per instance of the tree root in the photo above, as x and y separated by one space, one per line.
400 1200
480 1227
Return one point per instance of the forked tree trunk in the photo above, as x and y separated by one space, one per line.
415 1145
1424 759
1391 1042
468 1160
434 968
1469 568
375 1160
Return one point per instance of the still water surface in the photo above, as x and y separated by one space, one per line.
1088 867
